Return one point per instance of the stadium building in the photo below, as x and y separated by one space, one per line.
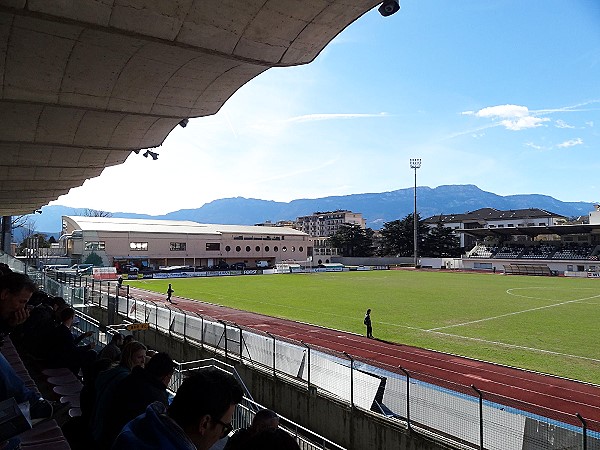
151 244
526 241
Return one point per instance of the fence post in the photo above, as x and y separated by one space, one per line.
480 394
308 363
584 425
407 397
273 337
241 339
225 335
351 379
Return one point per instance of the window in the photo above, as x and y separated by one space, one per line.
94 245
257 248
238 248
301 249
227 248
276 249
138 246
293 248
247 248
213 246
266 248
284 249
177 246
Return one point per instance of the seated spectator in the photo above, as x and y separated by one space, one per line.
127 339
64 350
264 419
15 291
112 350
133 355
200 415
274 439
136 391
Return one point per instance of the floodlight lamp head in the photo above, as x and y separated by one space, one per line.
184 122
415 163
389 7
146 153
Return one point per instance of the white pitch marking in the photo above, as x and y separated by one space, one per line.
514 312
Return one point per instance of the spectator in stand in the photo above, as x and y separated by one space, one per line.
4 269
133 355
64 350
200 415
15 291
136 391
112 350
127 339
276 439
265 419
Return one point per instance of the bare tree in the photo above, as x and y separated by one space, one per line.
96 213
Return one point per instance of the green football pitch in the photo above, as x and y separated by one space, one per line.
546 324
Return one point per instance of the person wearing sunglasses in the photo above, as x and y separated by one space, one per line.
200 415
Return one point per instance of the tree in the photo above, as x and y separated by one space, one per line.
94 258
353 240
441 241
96 213
397 237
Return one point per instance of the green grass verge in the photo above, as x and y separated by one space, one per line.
538 323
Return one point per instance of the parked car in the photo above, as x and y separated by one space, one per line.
238 266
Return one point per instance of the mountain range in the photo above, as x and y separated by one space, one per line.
376 208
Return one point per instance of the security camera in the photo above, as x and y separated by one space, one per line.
389 7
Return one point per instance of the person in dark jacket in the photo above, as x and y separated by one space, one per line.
136 391
367 322
64 350
265 419
200 415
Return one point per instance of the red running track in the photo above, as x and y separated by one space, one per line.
548 396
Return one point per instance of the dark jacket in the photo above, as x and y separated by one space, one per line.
153 430
130 398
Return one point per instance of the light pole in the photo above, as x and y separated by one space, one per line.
415 163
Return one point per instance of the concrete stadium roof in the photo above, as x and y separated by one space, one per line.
115 224
84 83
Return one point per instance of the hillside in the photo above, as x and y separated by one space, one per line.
377 208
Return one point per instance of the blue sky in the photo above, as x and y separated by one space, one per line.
503 94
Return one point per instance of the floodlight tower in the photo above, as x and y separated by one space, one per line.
415 163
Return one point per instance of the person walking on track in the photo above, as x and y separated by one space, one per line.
170 293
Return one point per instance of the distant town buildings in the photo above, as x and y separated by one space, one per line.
326 224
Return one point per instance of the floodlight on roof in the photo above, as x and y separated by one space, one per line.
153 154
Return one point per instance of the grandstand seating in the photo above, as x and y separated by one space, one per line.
540 251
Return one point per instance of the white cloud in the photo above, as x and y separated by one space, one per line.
590 124
534 146
513 117
562 124
318 117
503 111
570 143
523 123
